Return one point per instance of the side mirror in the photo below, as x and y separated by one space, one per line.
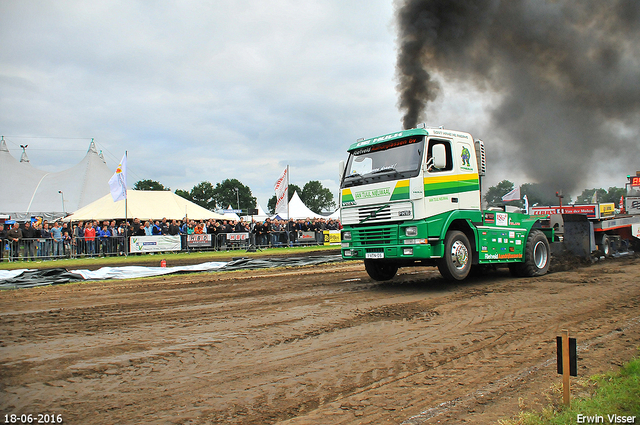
340 170
439 155
438 159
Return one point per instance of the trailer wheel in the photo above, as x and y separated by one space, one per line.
380 270
456 262
536 256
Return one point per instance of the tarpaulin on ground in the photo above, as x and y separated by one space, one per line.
24 278
32 278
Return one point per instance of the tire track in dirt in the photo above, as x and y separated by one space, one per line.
315 345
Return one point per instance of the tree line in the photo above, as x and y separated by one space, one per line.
540 195
231 192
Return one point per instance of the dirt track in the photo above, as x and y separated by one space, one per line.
313 345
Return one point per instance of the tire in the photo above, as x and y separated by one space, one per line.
456 262
380 270
537 256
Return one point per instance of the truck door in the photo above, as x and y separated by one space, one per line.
468 181
440 183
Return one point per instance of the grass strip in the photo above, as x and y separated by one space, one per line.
613 397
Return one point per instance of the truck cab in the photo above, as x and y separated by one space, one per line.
413 197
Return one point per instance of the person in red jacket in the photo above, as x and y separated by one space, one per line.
90 238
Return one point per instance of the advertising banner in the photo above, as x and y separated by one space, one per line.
306 236
237 237
282 192
331 237
198 240
154 243
632 205
591 211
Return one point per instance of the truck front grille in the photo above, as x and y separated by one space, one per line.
375 236
374 213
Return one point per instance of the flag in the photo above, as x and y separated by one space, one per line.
514 195
594 198
118 182
282 192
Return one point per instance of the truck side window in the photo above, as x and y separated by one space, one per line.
447 146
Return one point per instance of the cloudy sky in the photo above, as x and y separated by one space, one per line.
211 90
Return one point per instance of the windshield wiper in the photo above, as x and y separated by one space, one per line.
384 170
353 175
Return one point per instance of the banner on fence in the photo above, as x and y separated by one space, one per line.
197 240
331 237
154 243
237 237
306 236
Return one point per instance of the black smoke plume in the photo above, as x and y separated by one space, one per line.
567 73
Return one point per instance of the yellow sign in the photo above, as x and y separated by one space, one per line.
331 237
607 209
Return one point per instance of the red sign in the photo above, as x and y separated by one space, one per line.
237 236
589 210
635 181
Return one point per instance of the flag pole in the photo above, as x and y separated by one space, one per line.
288 216
126 216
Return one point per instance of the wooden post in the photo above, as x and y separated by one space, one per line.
566 394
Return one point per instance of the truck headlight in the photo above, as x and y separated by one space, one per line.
416 241
411 231
346 236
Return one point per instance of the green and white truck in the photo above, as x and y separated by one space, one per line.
413 198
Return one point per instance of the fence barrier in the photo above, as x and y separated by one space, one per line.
40 249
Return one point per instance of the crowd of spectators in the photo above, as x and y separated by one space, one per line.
39 239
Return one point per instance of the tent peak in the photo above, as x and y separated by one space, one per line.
92 147
24 157
3 146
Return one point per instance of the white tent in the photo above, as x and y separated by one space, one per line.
229 215
335 215
144 204
29 192
261 216
298 210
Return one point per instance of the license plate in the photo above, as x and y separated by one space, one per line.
374 255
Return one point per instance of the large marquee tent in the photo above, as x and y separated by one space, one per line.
298 210
145 205
29 192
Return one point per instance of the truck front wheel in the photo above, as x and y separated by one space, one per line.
536 256
380 270
456 263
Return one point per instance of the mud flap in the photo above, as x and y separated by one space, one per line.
578 235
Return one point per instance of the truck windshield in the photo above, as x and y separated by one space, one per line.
392 160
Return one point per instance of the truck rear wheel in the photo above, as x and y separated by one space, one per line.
456 262
380 270
536 256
